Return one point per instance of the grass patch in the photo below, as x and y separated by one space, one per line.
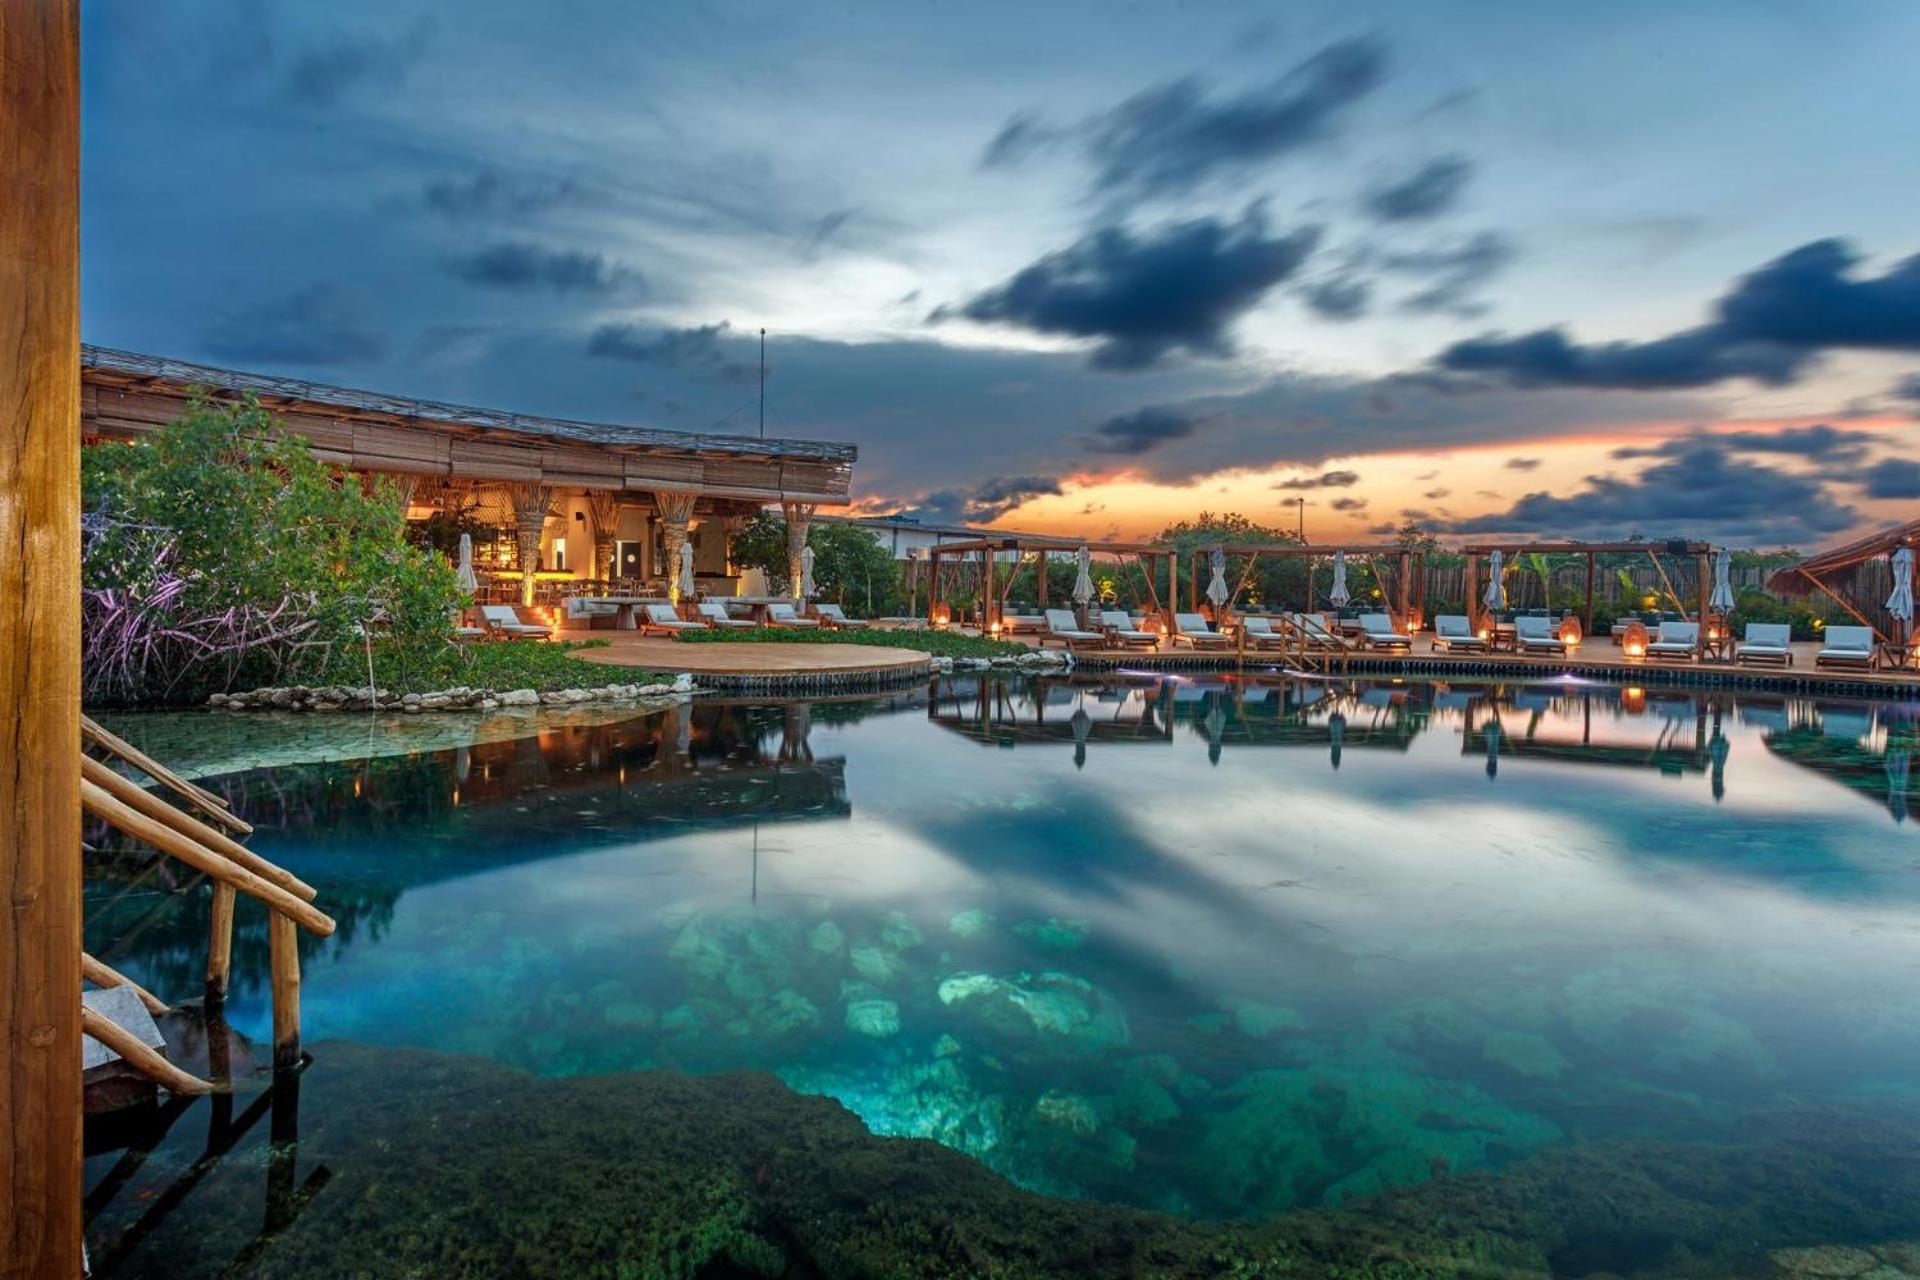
941 644
505 665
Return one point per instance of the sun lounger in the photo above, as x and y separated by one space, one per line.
1376 630
1766 642
1196 631
662 618
502 619
1064 627
1848 723
1455 631
782 615
836 619
714 614
1675 641
1847 647
1534 634
1120 628
1260 633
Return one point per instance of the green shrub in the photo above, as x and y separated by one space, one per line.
850 567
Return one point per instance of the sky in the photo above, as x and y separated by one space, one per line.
1496 268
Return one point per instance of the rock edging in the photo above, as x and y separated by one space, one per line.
1033 660
329 698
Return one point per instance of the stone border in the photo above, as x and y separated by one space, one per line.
324 699
1710 675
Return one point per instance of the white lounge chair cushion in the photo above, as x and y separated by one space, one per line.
1848 642
1123 627
782 615
1062 625
662 615
1196 628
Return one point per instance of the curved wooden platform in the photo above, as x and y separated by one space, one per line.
765 667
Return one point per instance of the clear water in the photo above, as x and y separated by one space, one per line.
1222 948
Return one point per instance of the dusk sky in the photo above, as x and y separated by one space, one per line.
1569 270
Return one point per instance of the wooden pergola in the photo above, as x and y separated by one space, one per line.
1702 552
993 593
1405 560
1836 574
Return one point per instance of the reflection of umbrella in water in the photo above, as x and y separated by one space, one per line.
1216 723
1336 736
1896 764
1082 725
1491 733
1717 748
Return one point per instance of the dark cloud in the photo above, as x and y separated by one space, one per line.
1892 478
314 326
321 74
1701 489
1166 139
1434 495
1338 298
1325 480
1136 433
1769 327
1348 504
1522 464
1146 295
491 192
1820 443
697 350
985 502
1908 388
1455 273
1427 192
521 267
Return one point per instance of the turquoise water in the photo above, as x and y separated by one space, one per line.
1222 948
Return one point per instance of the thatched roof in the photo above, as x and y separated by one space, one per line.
1799 579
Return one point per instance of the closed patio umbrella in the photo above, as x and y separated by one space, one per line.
1082 725
1217 585
1216 726
686 571
469 581
1900 603
1339 595
1897 766
1496 597
806 573
1336 736
1083 580
1491 736
1721 601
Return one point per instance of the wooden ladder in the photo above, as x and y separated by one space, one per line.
206 843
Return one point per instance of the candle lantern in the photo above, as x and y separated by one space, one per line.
1569 630
1634 642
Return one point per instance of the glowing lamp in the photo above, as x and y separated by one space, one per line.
993 628
1634 642
942 615
1634 699
1569 630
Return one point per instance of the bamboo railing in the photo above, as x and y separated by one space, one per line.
233 868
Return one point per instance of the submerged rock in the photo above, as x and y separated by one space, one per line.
1053 1011
1054 933
970 923
1068 1111
1525 1053
827 938
877 1018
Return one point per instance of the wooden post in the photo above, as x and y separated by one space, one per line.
220 942
1586 628
283 949
1705 572
531 503
676 514
1040 581
1473 592
797 515
39 639
1173 587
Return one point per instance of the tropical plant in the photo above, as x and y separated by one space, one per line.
850 567
220 553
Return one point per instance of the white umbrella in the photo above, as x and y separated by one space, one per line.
1216 727
806 573
1083 581
1336 736
1339 595
1900 603
1897 766
469 581
686 571
1217 586
1496 596
1721 601
1082 725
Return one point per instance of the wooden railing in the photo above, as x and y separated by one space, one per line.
233 868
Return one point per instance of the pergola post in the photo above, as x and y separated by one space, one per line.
1473 591
531 503
40 1121
603 508
1703 573
676 513
797 514
1586 624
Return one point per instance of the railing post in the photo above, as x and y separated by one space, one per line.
284 948
220 943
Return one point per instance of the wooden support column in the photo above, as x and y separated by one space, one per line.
797 514
1173 588
676 513
531 503
1040 579
283 951
220 942
39 639
1705 584
1586 623
1473 592
603 508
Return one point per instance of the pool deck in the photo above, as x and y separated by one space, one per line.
764 667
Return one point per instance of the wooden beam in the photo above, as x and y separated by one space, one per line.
283 949
137 1054
201 798
141 800
220 942
105 975
40 1022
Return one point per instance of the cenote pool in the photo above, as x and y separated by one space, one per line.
1240 976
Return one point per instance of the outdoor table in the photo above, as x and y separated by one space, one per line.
623 619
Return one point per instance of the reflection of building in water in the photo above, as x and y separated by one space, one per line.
1866 747
1673 732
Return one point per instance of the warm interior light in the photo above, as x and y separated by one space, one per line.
1634 698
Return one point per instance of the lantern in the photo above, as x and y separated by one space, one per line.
1633 643
1633 699
1569 630
942 614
